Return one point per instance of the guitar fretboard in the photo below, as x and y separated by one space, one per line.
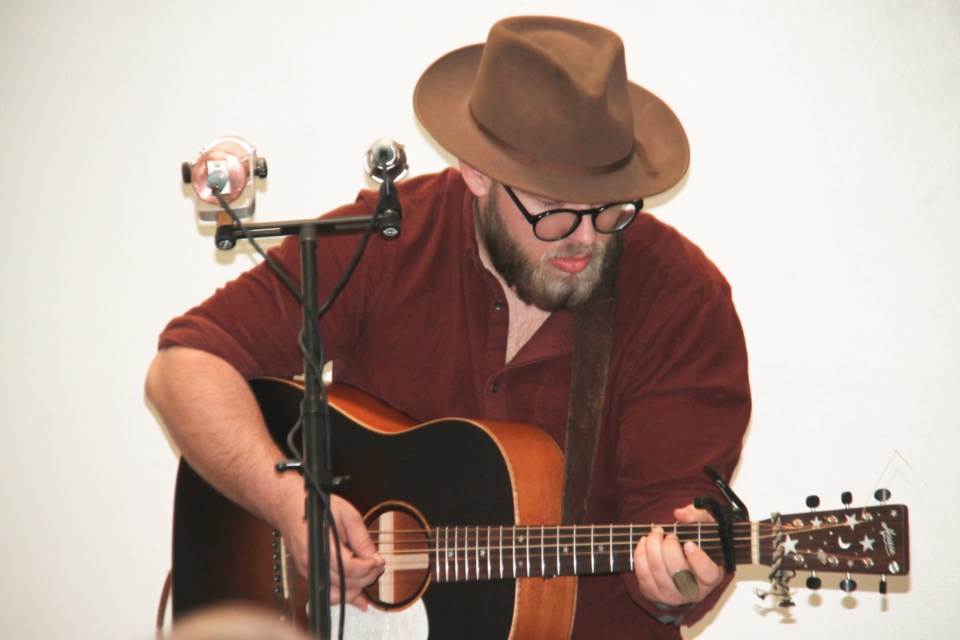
482 553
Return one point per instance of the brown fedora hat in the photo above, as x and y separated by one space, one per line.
545 105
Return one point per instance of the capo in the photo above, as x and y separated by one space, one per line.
725 515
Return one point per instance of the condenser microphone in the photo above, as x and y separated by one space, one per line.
386 162
228 166
385 158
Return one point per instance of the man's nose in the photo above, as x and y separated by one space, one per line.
585 233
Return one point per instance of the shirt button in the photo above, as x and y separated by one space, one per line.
495 387
498 305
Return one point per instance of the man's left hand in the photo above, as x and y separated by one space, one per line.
659 556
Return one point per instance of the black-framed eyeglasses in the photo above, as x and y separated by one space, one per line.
557 224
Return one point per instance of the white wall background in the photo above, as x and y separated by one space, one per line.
826 154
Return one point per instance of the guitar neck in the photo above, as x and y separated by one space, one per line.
869 541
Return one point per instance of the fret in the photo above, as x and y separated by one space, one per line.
527 541
500 553
446 539
593 556
436 553
489 553
543 568
611 549
446 552
478 552
632 545
575 551
558 550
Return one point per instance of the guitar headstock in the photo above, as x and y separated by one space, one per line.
869 540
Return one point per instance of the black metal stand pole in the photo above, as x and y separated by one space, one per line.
316 467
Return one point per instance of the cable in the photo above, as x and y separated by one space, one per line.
315 362
274 266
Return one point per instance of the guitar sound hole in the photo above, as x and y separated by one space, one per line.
401 536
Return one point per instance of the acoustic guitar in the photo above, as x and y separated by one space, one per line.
465 514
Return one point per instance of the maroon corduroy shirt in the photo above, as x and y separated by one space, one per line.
422 325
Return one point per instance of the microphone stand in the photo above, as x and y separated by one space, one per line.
316 467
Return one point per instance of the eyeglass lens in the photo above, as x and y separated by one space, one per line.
561 223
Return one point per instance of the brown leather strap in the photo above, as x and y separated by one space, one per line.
593 337
162 605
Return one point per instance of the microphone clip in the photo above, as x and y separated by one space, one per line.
388 210
386 163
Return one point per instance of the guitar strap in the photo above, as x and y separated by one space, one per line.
593 337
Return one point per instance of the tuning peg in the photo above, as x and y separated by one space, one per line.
882 495
848 584
846 498
883 584
813 501
813 582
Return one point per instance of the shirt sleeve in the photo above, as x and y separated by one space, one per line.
685 404
252 322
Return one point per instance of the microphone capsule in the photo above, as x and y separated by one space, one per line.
385 157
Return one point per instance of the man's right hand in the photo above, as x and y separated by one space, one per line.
362 565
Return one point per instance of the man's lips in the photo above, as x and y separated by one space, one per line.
571 265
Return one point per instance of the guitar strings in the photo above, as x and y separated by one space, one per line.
618 538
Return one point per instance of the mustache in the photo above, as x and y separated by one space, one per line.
575 250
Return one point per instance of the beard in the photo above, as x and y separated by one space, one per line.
539 283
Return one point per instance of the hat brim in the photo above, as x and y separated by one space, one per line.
661 152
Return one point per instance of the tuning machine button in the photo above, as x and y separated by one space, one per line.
814 583
882 495
883 585
846 498
813 501
848 584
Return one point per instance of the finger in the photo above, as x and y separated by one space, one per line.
675 562
708 573
358 574
352 529
662 550
689 514
645 580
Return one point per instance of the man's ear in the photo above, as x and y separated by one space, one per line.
478 183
